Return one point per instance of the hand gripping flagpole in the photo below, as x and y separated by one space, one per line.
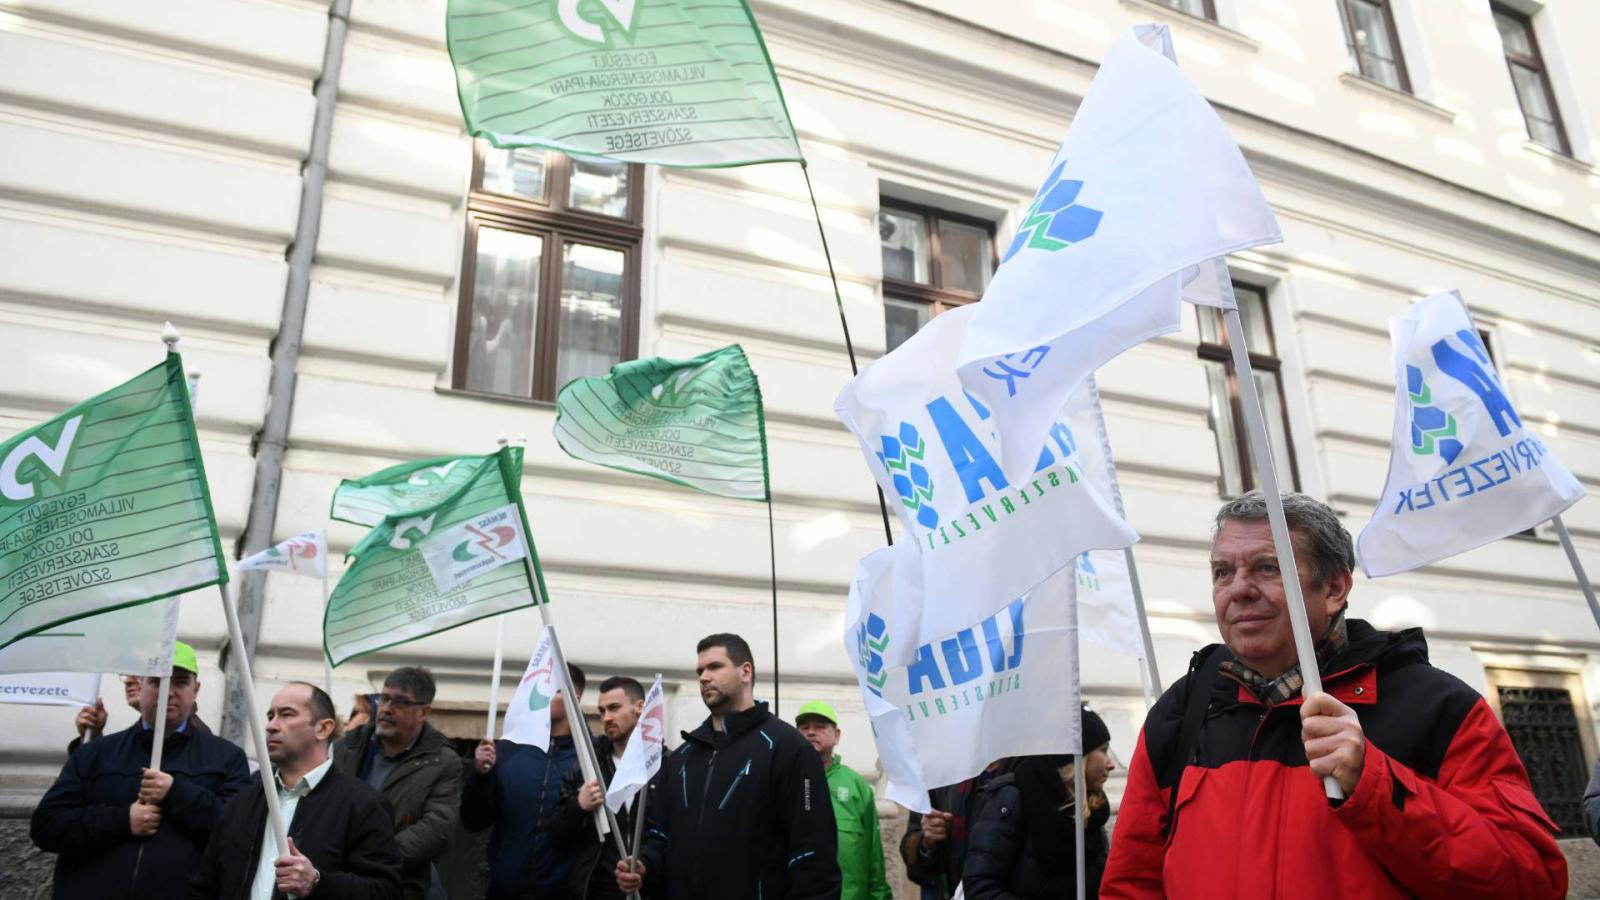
1577 566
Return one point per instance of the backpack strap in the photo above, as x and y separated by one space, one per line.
1203 668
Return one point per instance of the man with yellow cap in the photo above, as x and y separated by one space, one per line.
854 809
126 828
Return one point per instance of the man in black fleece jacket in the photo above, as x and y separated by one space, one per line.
740 810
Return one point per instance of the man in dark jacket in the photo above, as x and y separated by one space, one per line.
934 847
740 809
341 842
1436 801
594 859
402 757
125 829
515 788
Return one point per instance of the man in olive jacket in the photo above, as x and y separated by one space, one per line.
414 767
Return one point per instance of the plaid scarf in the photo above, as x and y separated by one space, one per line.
1273 691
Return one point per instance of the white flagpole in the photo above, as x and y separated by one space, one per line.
604 819
494 679
1577 566
257 726
159 738
1078 801
1077 761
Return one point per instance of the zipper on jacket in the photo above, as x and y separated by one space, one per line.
736 779
700 817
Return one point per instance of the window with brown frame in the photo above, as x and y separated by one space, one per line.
1374 44
1201 9
932 261
1226 415
549 274
1530 79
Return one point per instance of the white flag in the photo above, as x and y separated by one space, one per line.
1463 470
303 554
528 715
974 538
641 760
475 547
134 640
1107 614
1006 686
1147 189
51 689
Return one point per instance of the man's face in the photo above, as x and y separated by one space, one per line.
1247 593
823 735
721 682
1097 767
132 686
400 716
181 697
293 731
619 714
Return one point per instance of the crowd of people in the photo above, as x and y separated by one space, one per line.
1225 791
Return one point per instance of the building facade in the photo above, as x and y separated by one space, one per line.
151 169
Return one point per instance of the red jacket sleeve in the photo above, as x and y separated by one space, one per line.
1138 845
1475 832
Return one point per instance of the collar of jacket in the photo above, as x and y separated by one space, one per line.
735 725
1351 676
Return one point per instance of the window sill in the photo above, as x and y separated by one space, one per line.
494 398
1378 89
1571 162
1190 20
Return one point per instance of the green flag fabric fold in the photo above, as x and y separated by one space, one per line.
695 422
427 567
403 488
670 82
105 506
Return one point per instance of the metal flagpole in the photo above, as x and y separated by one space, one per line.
638 827
580 733
257 728
327 665
1077 761
1078 801
494 679
1577 566
1261 456
159 738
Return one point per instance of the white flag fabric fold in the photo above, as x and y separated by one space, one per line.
1107 614
1145 192
51 688
304 554
134 640
1463 469
974 539
528 714
1006 686
641 759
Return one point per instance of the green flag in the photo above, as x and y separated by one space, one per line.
697 422
671 82
105 506
428 567
402 488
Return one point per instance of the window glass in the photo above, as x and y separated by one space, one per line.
1374 50
504 311
905 245
591 311
964 258
599 186
902 319
519 172
1220 416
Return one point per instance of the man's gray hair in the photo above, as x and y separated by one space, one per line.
1320 537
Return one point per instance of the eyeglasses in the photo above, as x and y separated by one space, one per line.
398 702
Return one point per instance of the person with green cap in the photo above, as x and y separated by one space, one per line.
124 827
854 809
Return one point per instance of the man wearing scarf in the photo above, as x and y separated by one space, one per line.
1225 795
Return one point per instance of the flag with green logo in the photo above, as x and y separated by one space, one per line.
403 488
670 82
105 506
429 567
696 422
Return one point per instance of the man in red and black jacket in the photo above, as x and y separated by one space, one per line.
1225 794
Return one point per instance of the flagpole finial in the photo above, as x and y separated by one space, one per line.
522 439
170 337
501 439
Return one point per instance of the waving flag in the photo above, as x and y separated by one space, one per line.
641 760
695 422
1463 469
1145 192
303 554
390 594
672 82
403 488
1107 614
528 714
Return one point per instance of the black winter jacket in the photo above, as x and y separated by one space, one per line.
742 814
343 826
519 797
84 815
424 794
1010 859
594 862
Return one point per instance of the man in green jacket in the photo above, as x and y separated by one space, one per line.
414 767
854 808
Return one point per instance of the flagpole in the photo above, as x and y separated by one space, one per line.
1077 767
327 664
159 738
494 679
247 681
772 550
1577 566
580 732
1261 456
638 830
1078 801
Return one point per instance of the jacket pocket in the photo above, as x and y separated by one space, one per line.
1188 787
1521 800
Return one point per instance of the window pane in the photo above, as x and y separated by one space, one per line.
1530 90
1253 319
1192 7
1210 324
1222 426
599 186
905 245
505 308
964 257
1513 34
1371 38
591 311
1271 392
519 172
902 319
